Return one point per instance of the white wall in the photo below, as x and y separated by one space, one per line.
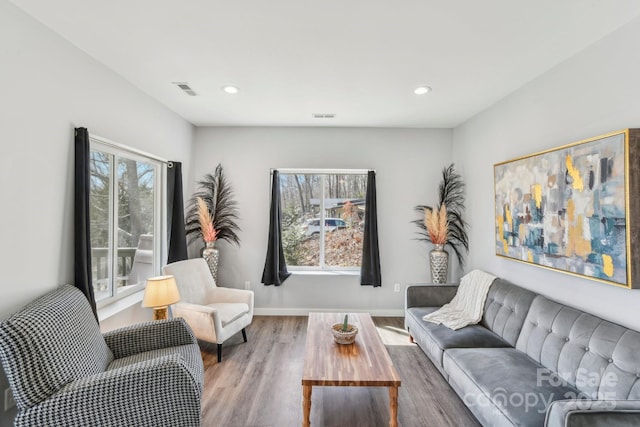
592 93
408 164
48 88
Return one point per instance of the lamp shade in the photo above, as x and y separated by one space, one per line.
161 291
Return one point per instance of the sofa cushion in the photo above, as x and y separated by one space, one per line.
62 339
437 338
506 308
600 358
503 386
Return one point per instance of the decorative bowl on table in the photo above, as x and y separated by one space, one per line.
344 337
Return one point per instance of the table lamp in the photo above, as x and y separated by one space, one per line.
160 292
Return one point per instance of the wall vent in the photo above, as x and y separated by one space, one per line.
323 115
185 88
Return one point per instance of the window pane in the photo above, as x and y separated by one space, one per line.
336 243
100 204
344 220
124 211
135 223
300 195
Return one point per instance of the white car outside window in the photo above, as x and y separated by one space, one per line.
313 225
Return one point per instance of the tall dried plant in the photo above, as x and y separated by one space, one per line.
216 192
451 195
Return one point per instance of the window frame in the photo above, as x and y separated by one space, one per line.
322 267
118 151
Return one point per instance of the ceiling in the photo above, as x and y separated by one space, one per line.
358 59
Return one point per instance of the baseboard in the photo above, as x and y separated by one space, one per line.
305 311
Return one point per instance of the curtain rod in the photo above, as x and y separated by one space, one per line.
321 171
112 144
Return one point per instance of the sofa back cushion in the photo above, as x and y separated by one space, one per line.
49 343
506 308
597 357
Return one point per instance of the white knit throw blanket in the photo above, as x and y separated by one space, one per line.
466 308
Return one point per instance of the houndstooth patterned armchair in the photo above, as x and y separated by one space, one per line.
64 372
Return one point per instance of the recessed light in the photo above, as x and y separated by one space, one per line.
421 90
230 89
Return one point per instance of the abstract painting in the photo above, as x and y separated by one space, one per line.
568 209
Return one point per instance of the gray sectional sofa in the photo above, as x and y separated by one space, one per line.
532 361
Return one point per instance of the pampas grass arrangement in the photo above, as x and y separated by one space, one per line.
216 193
437 225
451 197
209 234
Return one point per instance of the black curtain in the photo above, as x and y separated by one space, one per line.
275 268
175 214
370 269
82 223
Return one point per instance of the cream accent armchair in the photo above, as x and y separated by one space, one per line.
214 313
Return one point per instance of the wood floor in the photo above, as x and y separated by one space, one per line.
258 384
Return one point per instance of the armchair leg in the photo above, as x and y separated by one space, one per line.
244 336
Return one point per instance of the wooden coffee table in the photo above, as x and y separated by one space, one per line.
364 363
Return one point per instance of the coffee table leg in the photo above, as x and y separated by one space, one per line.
393 406
306 405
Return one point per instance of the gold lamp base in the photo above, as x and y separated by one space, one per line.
160 313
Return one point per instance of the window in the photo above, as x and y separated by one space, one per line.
323 214
126 216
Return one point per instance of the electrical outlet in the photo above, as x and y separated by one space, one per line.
9 401
396 287
247 284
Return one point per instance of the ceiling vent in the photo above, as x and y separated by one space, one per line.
185 88
323 115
